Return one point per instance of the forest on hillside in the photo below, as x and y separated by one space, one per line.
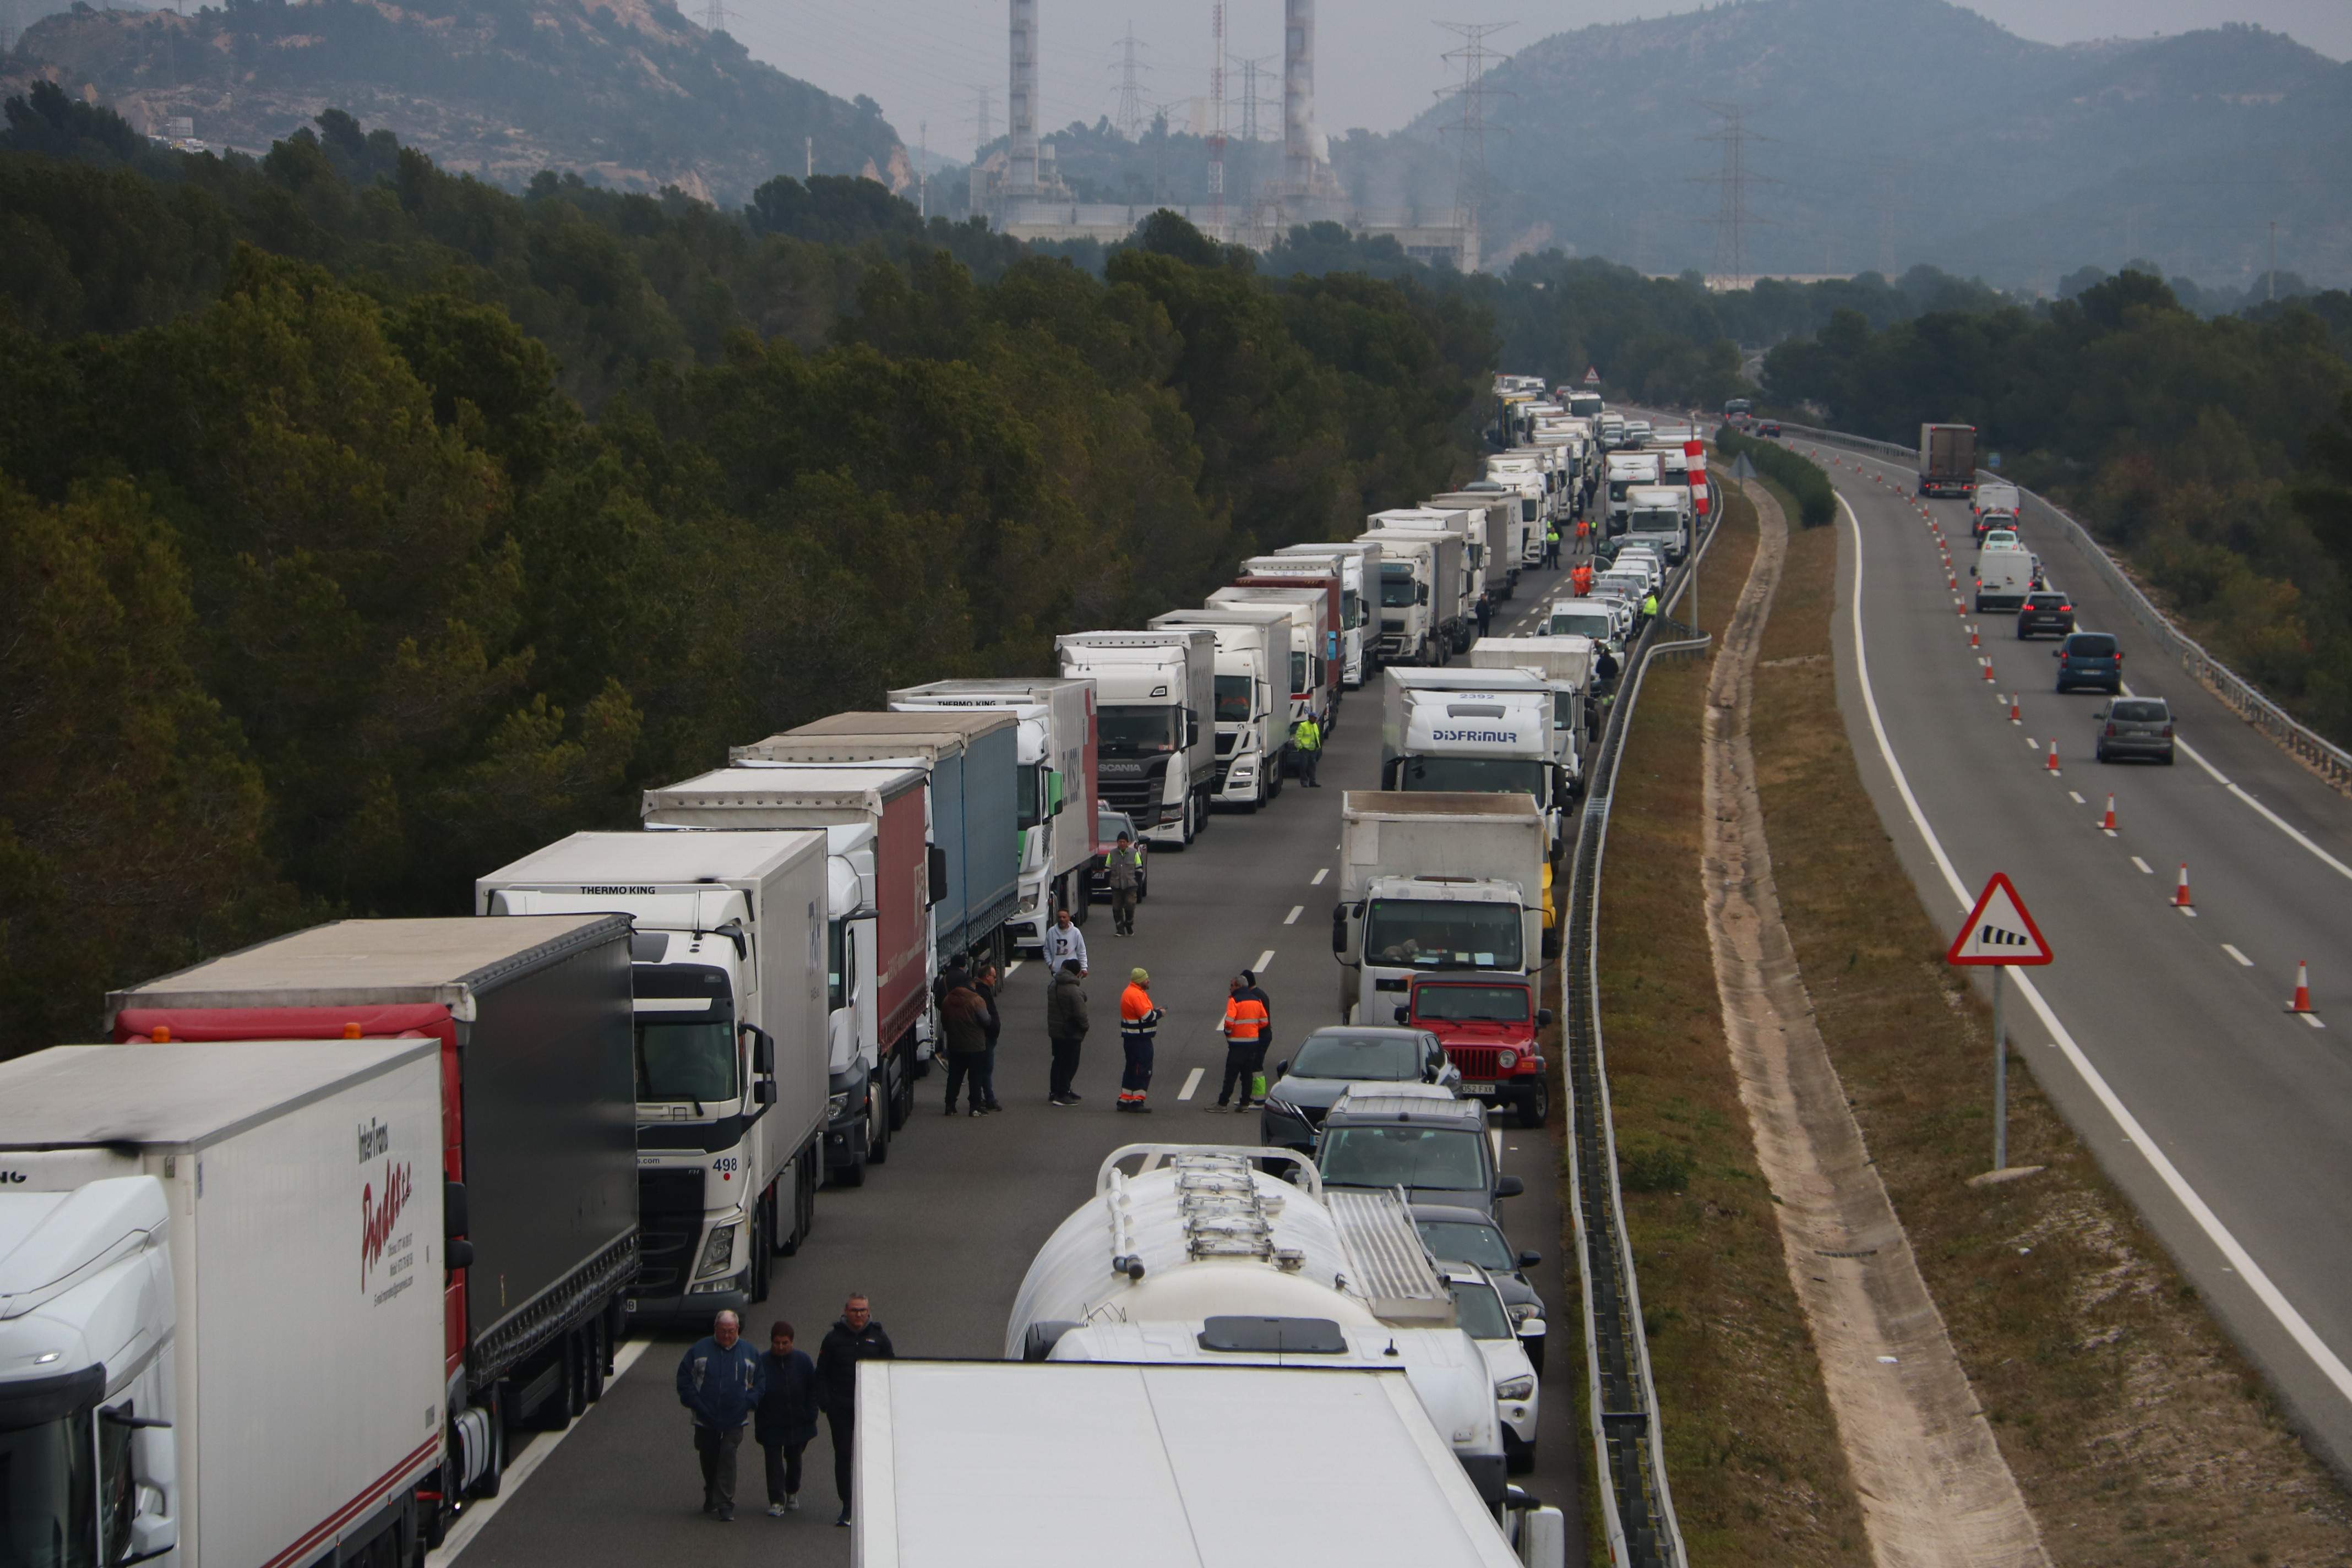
371 526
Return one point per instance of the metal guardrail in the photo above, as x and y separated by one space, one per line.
1637 1508
2237 693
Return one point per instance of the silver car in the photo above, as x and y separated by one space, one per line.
2134 727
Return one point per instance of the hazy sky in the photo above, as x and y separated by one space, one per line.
1378 60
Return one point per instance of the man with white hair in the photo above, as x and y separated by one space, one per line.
719 1383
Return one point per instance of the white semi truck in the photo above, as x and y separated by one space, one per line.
1155 695
1626 470
1314 691
731 1049
1659 515
1253 696
1057 798
1420 595
1359 566
1434 884
1475 730
1564 664
221 1293
1498 520
1459 567
1465 520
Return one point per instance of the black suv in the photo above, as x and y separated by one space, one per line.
2045 610
2090 658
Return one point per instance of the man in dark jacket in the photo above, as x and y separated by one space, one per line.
856 1338
963 1020
1065 1029
987 983
721 1382
785 1422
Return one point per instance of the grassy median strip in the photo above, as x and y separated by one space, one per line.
2137 1434
1752 1451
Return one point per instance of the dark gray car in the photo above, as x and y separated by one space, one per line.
1456 1234
1336 1058
2090 658
1415 1137
2134 727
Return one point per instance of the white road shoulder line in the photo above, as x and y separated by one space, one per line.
2243 960
520 1468
2331 1366
1192 1082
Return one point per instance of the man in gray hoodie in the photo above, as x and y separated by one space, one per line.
719 1383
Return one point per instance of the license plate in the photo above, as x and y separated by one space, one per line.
1476 1087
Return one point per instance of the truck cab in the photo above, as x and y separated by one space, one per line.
1412 600
1475 731
1359 566
1314 684
1659 515
1487 1024
1155 692
1626 470
1253 696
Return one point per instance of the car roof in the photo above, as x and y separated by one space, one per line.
1359 1031
1409 1104
1454 1213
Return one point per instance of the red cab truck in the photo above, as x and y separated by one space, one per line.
538 1132
1488 1023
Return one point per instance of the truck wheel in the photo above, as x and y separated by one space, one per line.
578 1348
494 1469
1536 1109
600 1355
878 1123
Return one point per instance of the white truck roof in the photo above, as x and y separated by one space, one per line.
178 1095
1074 1464
600 860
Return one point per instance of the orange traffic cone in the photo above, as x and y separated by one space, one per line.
2052 764
2013 716
2107 822
1987 664
2180 899
2302 1003
1972 638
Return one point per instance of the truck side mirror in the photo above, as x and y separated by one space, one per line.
1191 727
764 1092
453 1209
1420 593
1339 929
935 871
1402 1013
461 1254
763 1049
1055 795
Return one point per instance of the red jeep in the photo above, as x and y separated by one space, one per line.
1487 1024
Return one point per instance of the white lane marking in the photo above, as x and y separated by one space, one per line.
2243 960
2144 866
2331 1365
2273 817
2311 1019
520 1468
1192 1082
1263 960
2032 744
2188 910
1013 968
1292 917
1317 880
2077 796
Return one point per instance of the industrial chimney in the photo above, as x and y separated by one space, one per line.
1021 172
1298 96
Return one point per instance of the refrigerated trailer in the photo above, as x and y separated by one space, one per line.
221 1339
1155 695
1947 460
731 1054
533 1018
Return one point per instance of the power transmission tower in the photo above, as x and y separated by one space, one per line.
977 198
1249 93
1129 118
716 15
2270 279
1470 130
1732 217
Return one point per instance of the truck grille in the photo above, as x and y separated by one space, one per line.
1140 798
669 1218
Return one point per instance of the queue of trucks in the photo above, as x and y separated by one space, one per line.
432 1170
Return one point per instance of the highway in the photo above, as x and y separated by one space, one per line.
2163 1034
940 1235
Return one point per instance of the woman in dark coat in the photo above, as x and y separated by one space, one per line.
785 1420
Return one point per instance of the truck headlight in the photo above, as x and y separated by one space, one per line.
719 1252
1515 1388
837 1106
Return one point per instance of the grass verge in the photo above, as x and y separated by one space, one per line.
2136 1432
1752 1451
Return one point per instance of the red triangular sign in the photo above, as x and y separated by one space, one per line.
1592 377
1998 931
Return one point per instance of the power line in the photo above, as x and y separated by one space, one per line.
1732 216
1129 118
1470 130
716 15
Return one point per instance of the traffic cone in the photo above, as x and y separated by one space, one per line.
1972 638
2052 764
2302 1003
2013 716
1987 664
2180 899
2107 822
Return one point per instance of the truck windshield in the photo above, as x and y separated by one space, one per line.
1131 732
1471 1003
685 1033
1440 1158
1441 933
49 1490
1479 775
1592 623
1396 587
1232 698
1299 676
1654 520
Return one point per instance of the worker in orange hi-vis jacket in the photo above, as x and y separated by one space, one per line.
1138 1024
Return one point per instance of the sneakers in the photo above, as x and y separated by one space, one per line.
1246 1106
775 1510
1220 1105
1062 1099
843 1520
792 1503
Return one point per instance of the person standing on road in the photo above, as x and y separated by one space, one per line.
1604 669
1249 1020
1581 580
1485 612
1066 1030
856 1337
785 1422
1583 535
1064 941
1551 546
1123 868
988 984
1649 604
1307 741
1139 1026
719 1382
963 1020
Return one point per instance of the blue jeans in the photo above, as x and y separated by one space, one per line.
984 1076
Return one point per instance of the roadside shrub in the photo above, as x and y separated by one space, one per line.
1646 1166
1800 477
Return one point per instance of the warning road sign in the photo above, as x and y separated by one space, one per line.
1592 377
1999 929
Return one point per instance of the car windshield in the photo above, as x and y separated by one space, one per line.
2096 645
2142 712
1232 698
1441 933
1475 775
1396 587
1466 1241
1440 1159
1480 1310
1388 1059
1465 1003
1127 732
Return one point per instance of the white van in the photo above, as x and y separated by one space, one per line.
2004 575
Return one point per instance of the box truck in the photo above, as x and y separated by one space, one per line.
1434 883
1155 692
1465 520
1564 664
1475 730
1291 571
1453 585
1495 512
1947 460
1253 696
1359 565
1626 470
1659 515
536 1034
1421 604
880 872
1314 679
972 760
1057 795
221 1271
731 1048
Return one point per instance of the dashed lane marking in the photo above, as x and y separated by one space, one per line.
2311 1019
2077 796
1317 880
1192 1082
2144 866
2243 960
1263 960
1292 917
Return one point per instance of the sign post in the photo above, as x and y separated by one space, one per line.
1999 934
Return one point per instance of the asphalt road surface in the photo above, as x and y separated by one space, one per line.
2224 1115
940 1235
